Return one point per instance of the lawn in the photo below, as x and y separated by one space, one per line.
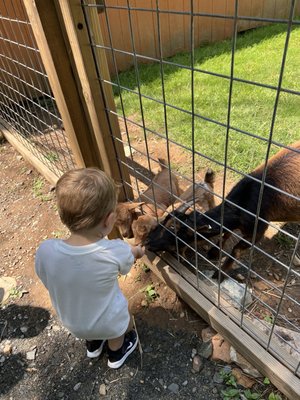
258 58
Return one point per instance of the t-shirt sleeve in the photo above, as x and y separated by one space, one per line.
39 268
125 256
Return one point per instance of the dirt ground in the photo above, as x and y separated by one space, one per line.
40 360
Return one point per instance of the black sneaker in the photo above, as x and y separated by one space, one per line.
117 358
94 348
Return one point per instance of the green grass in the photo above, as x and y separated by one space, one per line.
258 58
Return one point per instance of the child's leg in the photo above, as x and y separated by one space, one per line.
121 347
116 344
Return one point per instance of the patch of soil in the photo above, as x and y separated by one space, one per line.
40 360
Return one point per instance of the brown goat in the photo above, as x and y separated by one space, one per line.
203 192
204 200
154 201
240 208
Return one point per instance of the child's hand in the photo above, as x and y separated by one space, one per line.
138 251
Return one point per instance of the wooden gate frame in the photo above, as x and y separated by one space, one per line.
61 33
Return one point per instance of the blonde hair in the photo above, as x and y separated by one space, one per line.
85 197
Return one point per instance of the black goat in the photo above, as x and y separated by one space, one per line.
283 172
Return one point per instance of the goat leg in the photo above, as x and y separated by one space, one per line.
214 252
236 253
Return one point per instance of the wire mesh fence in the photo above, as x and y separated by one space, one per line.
27 104
226 107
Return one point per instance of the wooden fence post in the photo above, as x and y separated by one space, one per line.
61 34
89 67
49 38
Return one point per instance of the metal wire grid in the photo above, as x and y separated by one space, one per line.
281 290
26 102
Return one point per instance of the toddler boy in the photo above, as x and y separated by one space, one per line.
81 272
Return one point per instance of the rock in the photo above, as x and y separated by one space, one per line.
261 286
242 379
197 363
219 375
2 359
221 349
77 386
174 388
7 349
243 363
217 378
234 293
56 328
102 389
276 276
30 355
227 369
7 283
194 352
296 260
184 383
148 349
207 334
24 329
205 349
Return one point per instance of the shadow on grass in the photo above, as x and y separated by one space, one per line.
151 72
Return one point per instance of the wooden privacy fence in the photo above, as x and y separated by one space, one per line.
175 25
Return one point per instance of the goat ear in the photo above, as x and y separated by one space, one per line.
133 206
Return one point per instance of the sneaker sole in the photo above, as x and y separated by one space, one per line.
118 364
96 353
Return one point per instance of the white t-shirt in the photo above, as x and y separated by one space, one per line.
83 285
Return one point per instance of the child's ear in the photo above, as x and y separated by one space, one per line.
109 219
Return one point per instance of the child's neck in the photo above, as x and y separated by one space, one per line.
83 238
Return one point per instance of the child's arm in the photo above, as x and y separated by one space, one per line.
138 251
126 254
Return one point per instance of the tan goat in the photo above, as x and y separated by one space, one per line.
154 201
